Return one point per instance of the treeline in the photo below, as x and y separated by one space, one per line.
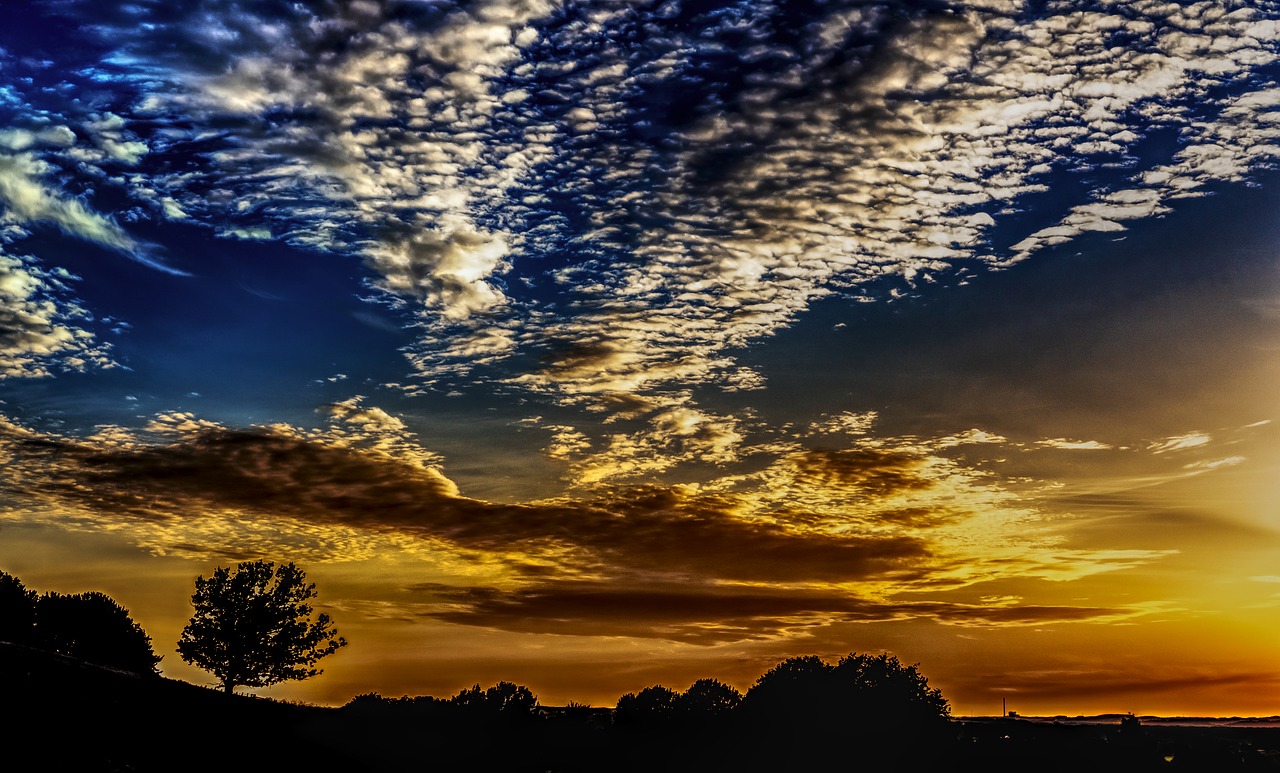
797 715
90 627
877 691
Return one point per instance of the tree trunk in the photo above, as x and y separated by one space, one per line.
227 687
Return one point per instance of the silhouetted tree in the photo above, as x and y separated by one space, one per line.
871 693
504 700
253 627
17 610
94 628
802 683
881 688
707 700
651 706
805 710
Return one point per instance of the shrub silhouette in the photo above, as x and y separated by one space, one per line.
94 628
17 611
253 627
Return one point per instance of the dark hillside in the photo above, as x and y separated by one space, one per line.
58 713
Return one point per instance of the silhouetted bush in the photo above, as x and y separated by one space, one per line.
17 610
94 628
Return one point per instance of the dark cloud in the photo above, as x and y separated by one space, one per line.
872 471
269 474
703 614
1069 683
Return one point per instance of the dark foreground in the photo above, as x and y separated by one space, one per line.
62 715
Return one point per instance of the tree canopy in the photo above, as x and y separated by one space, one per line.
17 610
87 626
253 626
94 628
875 693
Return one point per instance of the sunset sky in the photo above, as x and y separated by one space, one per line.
597 345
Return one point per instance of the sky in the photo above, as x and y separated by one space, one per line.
597 345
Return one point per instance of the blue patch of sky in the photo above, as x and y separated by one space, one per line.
1087 336
256 330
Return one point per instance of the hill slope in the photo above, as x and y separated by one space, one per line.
63 714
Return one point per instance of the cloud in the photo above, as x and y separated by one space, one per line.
44 163
392 117
1214 464
1077 683
669 436
42 329
706 615
334 479
849 423
1180 442
600 204
867 532
1074 445
26 200
595 199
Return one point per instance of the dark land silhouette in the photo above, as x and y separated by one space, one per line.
61 711
74 716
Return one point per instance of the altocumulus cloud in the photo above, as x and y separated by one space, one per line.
624 192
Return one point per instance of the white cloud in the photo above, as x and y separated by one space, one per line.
1180 442
1215 464
460 151
41 329
1074 445
849 423
26 200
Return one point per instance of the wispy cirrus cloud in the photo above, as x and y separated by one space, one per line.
1180 442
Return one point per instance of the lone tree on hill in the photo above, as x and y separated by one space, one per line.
253 627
